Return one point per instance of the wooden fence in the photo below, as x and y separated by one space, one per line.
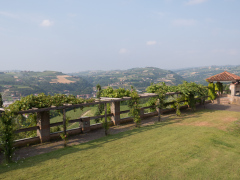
43 118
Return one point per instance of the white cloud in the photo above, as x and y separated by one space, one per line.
193 2
123 51
149 43
184 22
46 23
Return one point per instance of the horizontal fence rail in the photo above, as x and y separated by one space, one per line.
44 125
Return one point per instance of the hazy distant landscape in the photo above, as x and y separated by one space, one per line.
15 84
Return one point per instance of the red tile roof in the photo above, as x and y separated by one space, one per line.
224 76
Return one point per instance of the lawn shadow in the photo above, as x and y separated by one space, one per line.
57 154
167 119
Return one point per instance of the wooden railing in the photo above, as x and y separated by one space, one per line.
44 125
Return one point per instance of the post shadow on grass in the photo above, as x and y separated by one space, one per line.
223 107
29 162
99 142
173 119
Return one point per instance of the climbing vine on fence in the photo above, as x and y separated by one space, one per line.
100 107
219 87
7 128
133 104
10 118
135 107
188 92
211 91
160 89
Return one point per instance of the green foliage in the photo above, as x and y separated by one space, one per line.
134 107
161 89
219 87
7 128
100 106
188 91
1 101
175 150
177 104
64 138
133 104
211 91
105 123
140 78
10 120
24 122
115 93
199 74
43 101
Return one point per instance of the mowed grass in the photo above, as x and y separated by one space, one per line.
201 145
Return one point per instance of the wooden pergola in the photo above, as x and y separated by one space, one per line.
224 76
227 77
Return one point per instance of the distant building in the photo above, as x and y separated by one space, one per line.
7 103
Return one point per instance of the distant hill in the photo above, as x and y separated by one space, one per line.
140 78
16 84
199 74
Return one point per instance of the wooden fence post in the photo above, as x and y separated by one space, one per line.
141 113
106 125
64 122
203 102
85 124
115 109
159 114
43 121
64 128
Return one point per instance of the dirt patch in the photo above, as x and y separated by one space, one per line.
62 79
230 119
202 124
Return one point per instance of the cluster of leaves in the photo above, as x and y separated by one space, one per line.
43 101
115 93
9 119
133 103
219 87
187 90
192 90
100 106
7 128
135 107
211 91
161 89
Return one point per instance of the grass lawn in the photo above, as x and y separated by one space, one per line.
201 145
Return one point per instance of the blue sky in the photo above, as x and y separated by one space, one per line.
77 35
